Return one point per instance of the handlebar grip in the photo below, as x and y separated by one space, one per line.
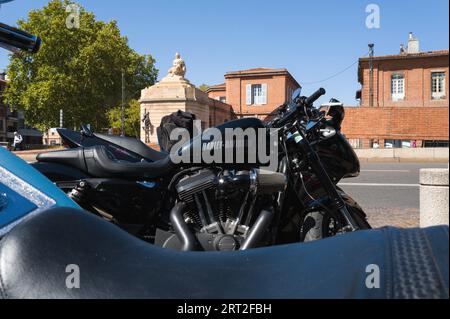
315 96
12 39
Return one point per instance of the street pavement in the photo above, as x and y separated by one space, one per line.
389 192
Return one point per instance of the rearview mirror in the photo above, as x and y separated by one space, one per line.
297 94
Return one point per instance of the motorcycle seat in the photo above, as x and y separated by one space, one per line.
102 163
97 161
73 157
68 253
134 145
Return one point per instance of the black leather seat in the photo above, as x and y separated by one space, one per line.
102 163
97 161
134 145
73 157
413 263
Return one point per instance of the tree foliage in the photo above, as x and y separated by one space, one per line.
204 87
132 118
78 70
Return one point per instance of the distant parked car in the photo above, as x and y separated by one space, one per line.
388 145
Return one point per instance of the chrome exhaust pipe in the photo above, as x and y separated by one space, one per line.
184 234
257 231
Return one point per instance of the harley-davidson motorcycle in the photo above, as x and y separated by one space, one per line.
45 237
220 205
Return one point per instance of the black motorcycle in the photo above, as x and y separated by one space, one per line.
220 205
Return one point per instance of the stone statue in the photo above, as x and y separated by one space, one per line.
178 68
148 127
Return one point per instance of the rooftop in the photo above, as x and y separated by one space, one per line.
217 87
254 72
402 56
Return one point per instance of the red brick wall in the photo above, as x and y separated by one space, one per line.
276 94
215 94
219 113
402 123
417 74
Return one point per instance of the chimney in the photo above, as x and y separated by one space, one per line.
413 44
402 49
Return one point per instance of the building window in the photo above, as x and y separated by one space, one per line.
398 87
437 85
436 144
356 143
256 94
222 99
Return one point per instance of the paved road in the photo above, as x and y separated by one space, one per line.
389 192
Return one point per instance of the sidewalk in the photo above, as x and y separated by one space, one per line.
30 156
430 155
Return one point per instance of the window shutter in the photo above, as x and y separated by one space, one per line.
248 94
264 93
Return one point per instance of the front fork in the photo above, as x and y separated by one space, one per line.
336 200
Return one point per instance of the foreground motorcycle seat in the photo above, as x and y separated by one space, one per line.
134 145
97 161
35 255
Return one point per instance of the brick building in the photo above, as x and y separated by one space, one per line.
51 137
255 92
403 100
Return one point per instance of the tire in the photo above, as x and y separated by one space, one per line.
318 225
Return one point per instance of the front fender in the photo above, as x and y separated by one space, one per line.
319 202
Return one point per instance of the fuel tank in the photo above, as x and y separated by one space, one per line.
235 144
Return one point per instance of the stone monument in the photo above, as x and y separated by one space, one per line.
174 92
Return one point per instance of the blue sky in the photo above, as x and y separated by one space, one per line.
312 39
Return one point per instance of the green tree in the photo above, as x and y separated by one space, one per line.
204 87
132 118
78 70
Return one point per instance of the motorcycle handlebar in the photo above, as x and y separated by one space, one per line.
13 39
315 96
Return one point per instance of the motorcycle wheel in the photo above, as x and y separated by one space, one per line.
319 225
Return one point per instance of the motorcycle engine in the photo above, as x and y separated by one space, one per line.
222 205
